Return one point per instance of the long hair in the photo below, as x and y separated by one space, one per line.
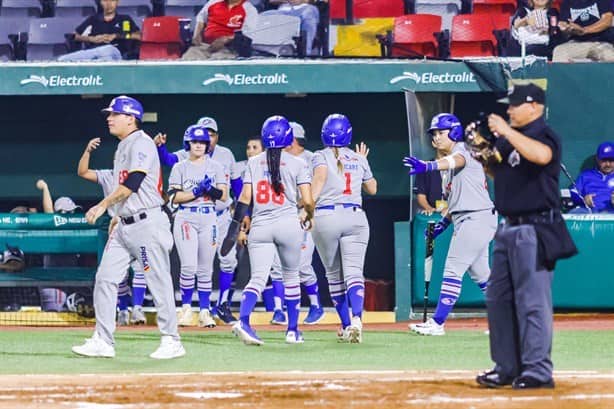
273 159
339 164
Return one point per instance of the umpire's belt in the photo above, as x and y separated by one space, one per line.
344 205
133 219
547 216
198 209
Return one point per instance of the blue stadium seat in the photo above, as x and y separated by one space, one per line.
183 8
75 8
47 37
20 8
9 26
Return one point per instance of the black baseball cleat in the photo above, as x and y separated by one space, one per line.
224 314
493 379
528 382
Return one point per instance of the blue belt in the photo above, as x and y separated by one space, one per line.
221 212
198 209
345 205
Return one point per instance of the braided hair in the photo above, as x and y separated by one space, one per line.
273 159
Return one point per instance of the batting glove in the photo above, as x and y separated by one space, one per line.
439 228
203 187
418 166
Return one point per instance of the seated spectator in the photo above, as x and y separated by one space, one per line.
530 25
586 28
107 36
429 190
216 25
308 13
596 185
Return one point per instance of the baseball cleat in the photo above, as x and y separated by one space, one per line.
294 337
123 318
185 316
343 335
279 318
169 348
222 314
246 334
355 331
314 315
428 328
138 316
95 347
205 320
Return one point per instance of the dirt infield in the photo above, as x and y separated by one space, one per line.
448 390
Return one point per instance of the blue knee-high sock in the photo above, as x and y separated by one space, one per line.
278 290
314 294
203 299
341 305
225 283
450 291
248 302
267 299
138 296
293 309
356 296
483 286
124 302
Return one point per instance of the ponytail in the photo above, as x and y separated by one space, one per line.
339 164
273 158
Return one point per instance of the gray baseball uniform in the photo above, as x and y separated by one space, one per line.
143 234
195 227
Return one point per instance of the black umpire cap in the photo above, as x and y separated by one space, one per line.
521 94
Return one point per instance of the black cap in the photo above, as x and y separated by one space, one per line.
520 94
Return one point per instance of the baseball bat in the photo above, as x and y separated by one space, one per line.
428 264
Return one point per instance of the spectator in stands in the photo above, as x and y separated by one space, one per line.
429 191
596 185
216 25
586 26
107 36
61 205
307 12
530 25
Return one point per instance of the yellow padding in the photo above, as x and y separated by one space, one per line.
40 318
359 40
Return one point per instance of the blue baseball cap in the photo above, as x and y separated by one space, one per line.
605 151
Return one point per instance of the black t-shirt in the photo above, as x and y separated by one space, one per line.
121 24
587 12
429 184
524 187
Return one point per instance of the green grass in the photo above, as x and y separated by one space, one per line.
48 352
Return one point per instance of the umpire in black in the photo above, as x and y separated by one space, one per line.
531 237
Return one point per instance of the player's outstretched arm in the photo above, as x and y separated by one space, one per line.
119 195
83 169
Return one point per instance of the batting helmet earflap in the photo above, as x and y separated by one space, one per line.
196 133
448 121
276 132
125 105
336 131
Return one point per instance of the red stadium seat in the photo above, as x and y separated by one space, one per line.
414 34
494 7
160 39
337 9
378 8
472 34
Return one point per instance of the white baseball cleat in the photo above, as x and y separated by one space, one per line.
95 347
294 337
123 318
246 334
355 331
185 316
138 316
169 348
428 328
205 319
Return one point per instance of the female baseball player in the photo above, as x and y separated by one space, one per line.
272 179
104 177
194 186
341 232
469 208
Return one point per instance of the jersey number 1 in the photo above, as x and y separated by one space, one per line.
265 194
348 182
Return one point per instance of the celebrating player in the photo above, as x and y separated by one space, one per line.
194 186
341 232
273 178
469 209
142 234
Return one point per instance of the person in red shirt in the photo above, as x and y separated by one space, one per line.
217 23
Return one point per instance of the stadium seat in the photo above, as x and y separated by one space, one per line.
11 26
75 8
473 34
378 8
183 8
414 36
277 34
360 40
494 7
47 37
160 39
337 9
447 9
20 8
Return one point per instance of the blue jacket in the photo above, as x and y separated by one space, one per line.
593 181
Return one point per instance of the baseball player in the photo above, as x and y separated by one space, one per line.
272 178
341 232
142 234
104 177
307 275
469 209
195 184
223 155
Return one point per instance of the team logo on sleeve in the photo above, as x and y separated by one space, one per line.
144 259
141 156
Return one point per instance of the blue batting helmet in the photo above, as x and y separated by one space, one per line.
448 121
336 130
605 151
125 105
276 132
195 133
